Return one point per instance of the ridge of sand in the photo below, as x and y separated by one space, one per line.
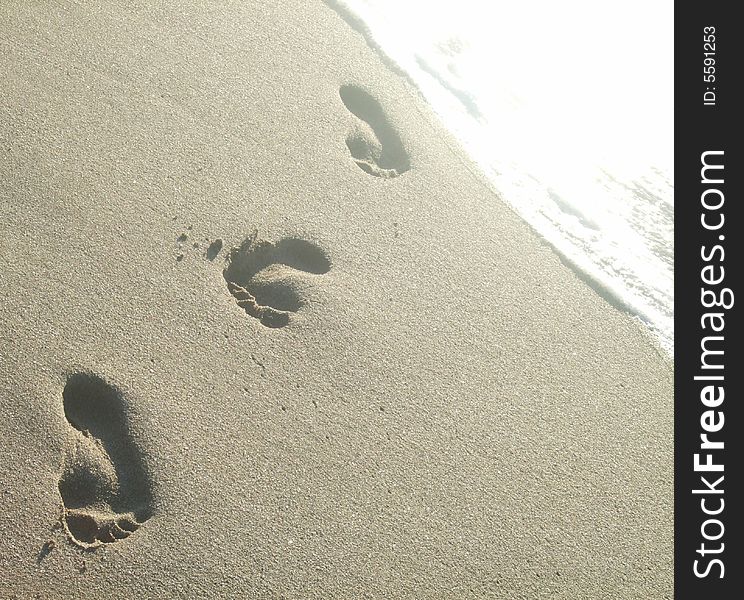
447 412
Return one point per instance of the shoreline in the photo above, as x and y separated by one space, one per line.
478 126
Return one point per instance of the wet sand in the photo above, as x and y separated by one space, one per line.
266 332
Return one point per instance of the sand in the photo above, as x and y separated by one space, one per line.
263 320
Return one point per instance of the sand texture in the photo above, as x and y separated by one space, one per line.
266 333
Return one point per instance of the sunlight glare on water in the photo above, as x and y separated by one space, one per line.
567 107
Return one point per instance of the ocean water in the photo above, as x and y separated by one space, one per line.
568 109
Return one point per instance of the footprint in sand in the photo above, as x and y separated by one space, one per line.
269 281
105 489
374 145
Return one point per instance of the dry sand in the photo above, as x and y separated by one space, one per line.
394 390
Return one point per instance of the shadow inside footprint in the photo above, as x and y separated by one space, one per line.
373 143
268 280
104 486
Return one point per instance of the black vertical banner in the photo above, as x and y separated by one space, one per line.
709 297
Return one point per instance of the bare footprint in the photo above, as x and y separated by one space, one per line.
268 280
106 493
373 143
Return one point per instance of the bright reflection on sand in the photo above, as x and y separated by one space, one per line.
568 107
